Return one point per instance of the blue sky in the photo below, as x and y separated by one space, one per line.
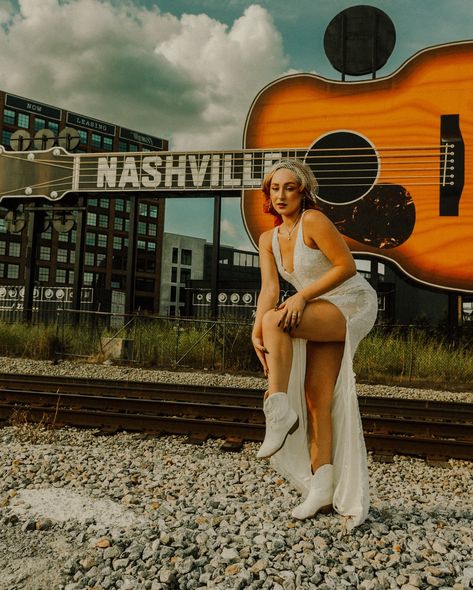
174 68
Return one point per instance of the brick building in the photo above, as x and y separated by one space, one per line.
104 261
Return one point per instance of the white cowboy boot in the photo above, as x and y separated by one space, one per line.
281 420
320 496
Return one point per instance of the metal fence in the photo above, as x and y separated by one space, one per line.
390 354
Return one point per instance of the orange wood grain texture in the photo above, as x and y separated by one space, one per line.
398 111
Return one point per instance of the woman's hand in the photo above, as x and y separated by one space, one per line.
261 352
293 308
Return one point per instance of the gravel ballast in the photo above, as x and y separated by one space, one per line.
80 510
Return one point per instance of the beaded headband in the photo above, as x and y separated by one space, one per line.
302 172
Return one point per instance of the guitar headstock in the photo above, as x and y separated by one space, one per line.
44 174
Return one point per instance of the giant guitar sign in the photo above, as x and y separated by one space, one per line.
392 157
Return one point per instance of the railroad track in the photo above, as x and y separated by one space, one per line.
431 429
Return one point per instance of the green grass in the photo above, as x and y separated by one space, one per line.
413 358
407 357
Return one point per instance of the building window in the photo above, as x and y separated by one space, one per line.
39 123
62 255
96 140
103 220
54 127
116 282
90 238
175 253
152 230
185 275
45 253
144 284
173 293
92 202
89 259
132 147
9 117
6 136
92 219
141 245
122 146
3 226
43 274
142 228
143 209
99 259
83 136
3 248
104 203
119 205
14 249
108 143
23 120
88 278
118 223
102 240
173 274
117 243
151 246
61 276
153 211
186 257
13 271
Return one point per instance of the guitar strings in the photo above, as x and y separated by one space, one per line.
238 164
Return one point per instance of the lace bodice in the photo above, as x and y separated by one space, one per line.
310 264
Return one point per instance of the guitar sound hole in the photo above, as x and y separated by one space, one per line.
346 166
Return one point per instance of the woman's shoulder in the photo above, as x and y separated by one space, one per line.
316 219
314 215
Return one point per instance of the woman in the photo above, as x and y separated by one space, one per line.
306 346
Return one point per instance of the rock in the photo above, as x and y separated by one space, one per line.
229 555
439 547
167 575
103 543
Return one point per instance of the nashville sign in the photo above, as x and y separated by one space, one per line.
54 173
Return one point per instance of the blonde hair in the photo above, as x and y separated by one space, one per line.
306 180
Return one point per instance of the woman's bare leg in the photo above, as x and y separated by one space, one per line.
323 365
279 357
321 322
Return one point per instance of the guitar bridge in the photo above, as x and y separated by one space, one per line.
452 165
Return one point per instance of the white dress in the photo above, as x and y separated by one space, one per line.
357 301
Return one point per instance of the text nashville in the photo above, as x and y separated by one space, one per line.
184 171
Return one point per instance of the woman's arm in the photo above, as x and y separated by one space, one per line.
320 232
268 296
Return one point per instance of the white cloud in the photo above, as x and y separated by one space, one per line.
189 79
228 228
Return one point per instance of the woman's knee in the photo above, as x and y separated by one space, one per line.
270 321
